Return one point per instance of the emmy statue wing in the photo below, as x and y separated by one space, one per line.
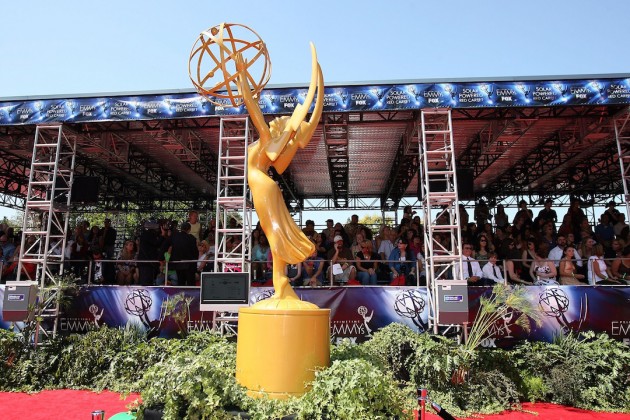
275 148
308 128
252 105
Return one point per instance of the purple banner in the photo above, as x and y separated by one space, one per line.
356 312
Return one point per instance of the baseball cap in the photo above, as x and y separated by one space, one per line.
338 238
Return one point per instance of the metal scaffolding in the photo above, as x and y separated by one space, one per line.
438 178
45 225
232 242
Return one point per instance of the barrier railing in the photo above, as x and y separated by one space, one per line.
88 271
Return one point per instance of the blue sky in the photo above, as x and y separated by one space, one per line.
70 47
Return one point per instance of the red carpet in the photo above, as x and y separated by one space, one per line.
61 404
547 411
70 405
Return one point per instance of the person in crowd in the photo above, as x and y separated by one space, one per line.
107 239
127 270
523 213
620 225
570 238
294 274
352 226
604 232
402 262
548 236
616 249
212 228
514 268
598 271
408 212
260 255
309 229
528 255
566 227
195 226
107 243
340 231
152 237
482 250
93 237
556 254
576 216
471 269
587 248
320 248
491 270
8 248
621 266
548 214
387 243
357 243
482 214
612 212
10 269
80 254
341 260
97 266
501 218
313 270
367 264
184 248
567 269
204 263
542 270
328 233
416 245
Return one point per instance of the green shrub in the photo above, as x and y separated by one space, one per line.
534 388
87 357
590 371
194 385
353 389
424 360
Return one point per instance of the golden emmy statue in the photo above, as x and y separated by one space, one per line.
294 335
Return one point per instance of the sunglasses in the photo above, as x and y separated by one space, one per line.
468 247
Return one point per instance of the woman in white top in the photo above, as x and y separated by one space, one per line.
598 271
542 270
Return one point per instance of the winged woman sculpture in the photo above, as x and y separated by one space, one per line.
277 145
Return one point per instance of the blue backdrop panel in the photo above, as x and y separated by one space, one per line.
356 312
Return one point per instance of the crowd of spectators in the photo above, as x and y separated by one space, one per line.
532 249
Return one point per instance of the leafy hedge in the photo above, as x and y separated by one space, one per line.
194 377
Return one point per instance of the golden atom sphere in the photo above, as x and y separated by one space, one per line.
212 65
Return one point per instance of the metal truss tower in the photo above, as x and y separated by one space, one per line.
622 135
232 243
438 178
46 214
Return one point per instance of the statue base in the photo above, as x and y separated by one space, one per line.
281 342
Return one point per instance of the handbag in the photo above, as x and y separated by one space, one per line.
400 280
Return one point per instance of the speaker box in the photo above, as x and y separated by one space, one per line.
85 189
465 184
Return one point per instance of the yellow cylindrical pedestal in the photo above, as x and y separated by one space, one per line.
278 350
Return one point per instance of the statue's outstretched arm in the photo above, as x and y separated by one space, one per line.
277 145
252 105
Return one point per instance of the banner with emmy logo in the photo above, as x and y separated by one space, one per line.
351 98
356 312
